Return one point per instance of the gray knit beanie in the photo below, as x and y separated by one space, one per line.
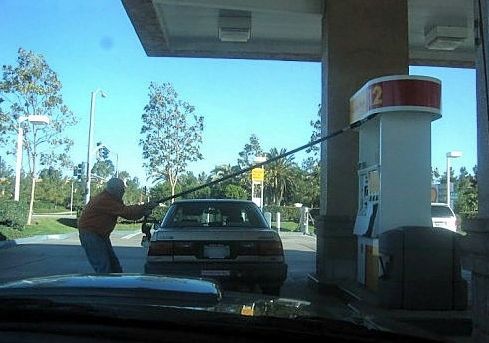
116 187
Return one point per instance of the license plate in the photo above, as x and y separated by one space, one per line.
216 273
217 251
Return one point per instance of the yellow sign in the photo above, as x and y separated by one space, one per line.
257 174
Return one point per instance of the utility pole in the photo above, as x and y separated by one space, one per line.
71 201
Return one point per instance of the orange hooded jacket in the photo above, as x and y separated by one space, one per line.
100 214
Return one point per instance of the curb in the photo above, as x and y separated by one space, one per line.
295 234
34 239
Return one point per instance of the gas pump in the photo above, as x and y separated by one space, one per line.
394 175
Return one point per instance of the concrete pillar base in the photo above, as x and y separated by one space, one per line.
475 257
337 249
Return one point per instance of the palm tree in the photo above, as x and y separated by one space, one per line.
279 176
220 171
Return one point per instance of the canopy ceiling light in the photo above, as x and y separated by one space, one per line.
445 37
234 26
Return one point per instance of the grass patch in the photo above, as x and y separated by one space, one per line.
52 226
287 226
51 210
40 226
127 226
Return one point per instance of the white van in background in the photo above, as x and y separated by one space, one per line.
443 216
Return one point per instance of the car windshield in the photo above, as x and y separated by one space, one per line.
214 214
278 149
441 212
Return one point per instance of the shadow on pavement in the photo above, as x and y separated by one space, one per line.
71 222
37 260
293 255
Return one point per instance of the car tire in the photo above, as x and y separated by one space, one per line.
270 290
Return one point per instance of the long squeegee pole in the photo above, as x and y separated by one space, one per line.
242 171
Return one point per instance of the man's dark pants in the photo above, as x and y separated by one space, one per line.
100 252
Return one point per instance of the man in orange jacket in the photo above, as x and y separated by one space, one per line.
98 220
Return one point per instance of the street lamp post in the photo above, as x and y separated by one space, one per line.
71 199
450 154
90 130
18 165
36 120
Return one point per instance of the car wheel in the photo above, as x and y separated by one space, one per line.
270 290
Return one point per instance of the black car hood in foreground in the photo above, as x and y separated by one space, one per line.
155 291
131 302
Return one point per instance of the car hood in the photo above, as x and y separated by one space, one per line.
153 290
169 302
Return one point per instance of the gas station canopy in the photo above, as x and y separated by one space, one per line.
440 31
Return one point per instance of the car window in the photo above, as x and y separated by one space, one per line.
214 215
441 212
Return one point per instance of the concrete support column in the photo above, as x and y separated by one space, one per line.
361 40
475 245
482 68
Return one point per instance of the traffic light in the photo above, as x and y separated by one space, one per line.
104 152
78 170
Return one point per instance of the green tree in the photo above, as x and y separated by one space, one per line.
103 169
443 178
134 192
78 195
316 134
218 190
435 175
306 183
31 87
466 186
5 170
279 176
6 179
247 157
189 181
53 188
249 152
162 190
172 134
232 191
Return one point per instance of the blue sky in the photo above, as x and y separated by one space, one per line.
91 44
